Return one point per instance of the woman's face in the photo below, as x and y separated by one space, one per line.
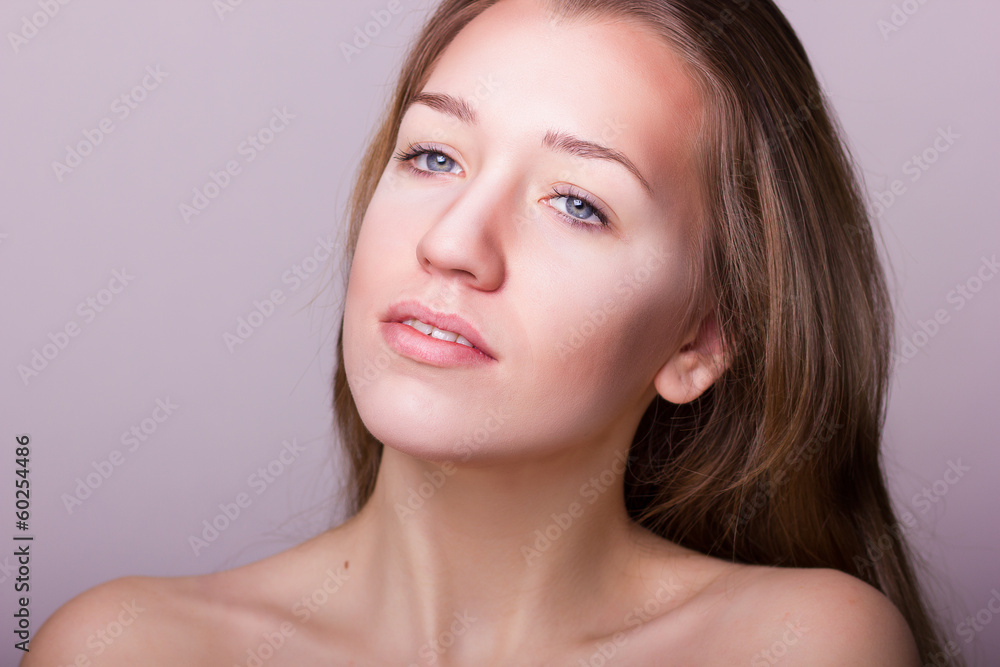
572 267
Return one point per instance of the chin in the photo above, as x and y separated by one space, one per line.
405 420
435 429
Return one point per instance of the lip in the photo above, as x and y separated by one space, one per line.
404 310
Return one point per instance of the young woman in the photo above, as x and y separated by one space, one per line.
611 377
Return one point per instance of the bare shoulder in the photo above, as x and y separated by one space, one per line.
822 616
210 619
764 616
128 621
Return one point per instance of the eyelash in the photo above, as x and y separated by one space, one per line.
573 193
414 151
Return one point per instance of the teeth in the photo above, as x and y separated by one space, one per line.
420 326
440 334
444 335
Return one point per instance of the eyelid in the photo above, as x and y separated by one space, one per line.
414 150
571 190
561 189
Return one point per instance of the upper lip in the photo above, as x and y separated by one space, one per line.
405 310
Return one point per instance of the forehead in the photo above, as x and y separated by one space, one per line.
612 81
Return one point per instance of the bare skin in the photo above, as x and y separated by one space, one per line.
303 607
521 551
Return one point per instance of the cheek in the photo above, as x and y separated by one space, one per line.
369 287
385 244
609 337
383 240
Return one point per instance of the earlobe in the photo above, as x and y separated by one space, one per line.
695 366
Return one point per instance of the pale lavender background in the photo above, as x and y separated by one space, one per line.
163 335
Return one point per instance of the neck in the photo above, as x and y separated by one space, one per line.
497 552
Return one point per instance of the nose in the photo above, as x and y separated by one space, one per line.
465 240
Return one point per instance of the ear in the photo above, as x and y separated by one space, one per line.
696 365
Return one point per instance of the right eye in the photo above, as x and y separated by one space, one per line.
426 160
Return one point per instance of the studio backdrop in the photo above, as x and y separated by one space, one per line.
173 179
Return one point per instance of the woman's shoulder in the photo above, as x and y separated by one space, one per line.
126 621
207 619
834 617
821 616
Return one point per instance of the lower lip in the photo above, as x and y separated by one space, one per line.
411 343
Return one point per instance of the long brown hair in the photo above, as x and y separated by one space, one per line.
778 462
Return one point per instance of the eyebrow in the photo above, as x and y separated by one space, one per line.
563 142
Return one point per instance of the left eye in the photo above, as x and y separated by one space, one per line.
577 208
425 160
434 162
